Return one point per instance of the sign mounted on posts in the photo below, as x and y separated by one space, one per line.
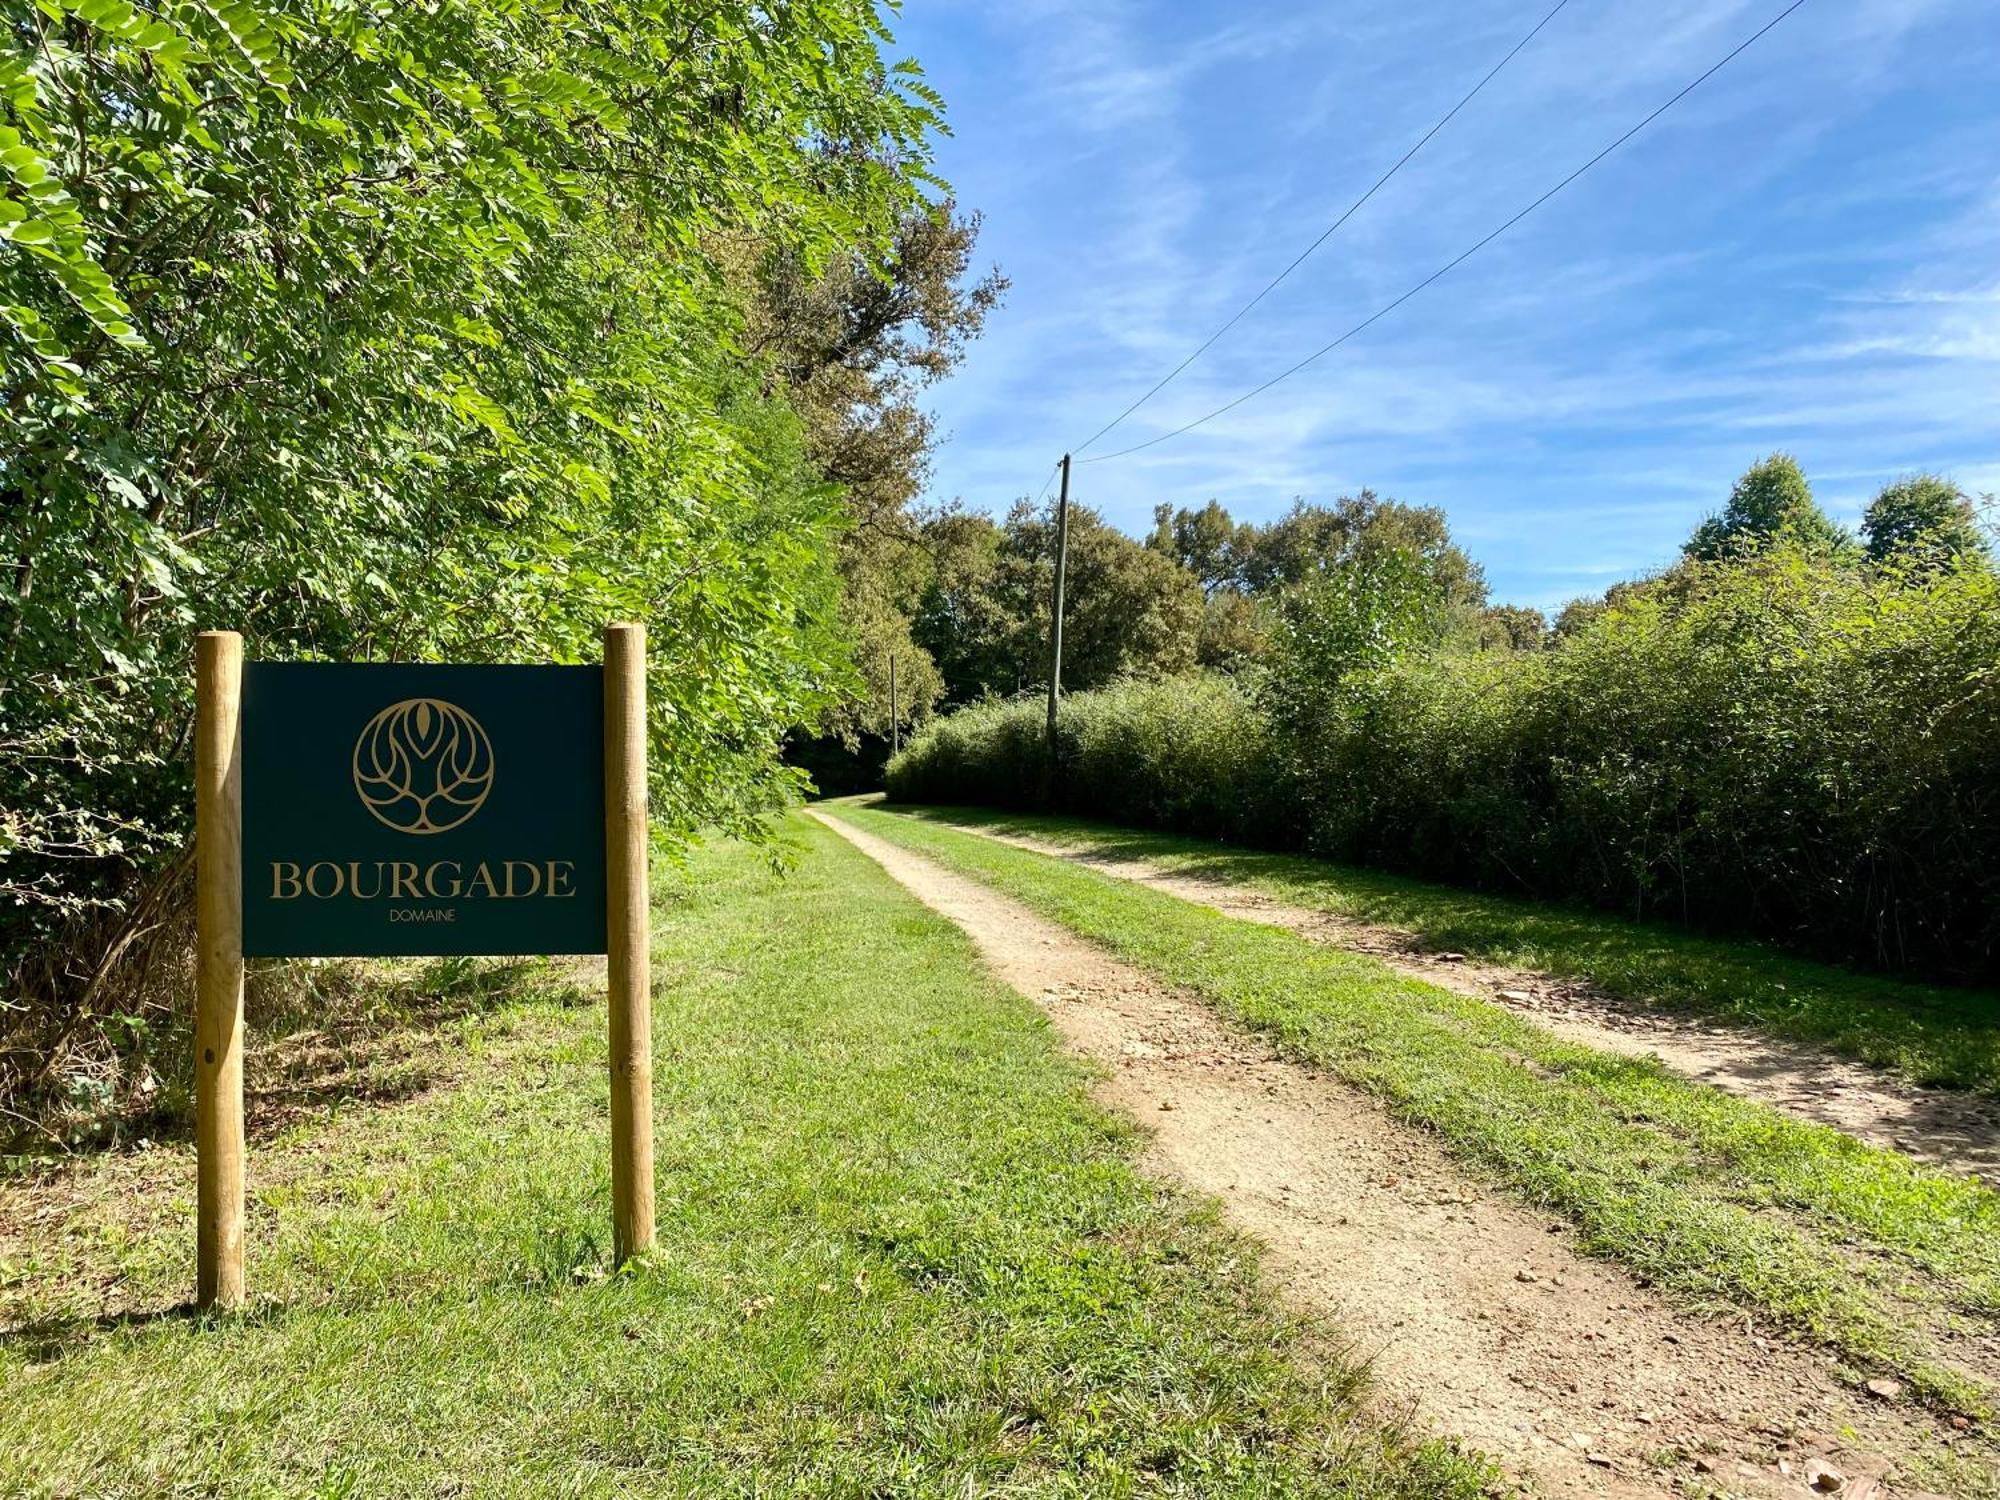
361 811
422 810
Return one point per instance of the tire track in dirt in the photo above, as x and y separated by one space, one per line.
1946 1128
1477 1312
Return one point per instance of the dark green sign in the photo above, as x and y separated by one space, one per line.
422 810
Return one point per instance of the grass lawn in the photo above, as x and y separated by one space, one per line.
1934 1034
900 1253
1878 1258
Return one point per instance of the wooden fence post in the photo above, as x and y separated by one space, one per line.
628 946
218 1006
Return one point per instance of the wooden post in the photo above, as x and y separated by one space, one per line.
218 1004
628 944
895 713
1056 612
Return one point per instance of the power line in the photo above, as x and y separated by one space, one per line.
1464 255
1325 234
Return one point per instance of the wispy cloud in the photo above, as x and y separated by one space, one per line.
1798 257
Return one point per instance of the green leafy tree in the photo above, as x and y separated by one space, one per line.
1207 542
1924 523
855 342
1233 631
1576 617
1217 550
1337 632
405 332
1129 610
1512 627
1311 540
1772 501
962 620
1579 615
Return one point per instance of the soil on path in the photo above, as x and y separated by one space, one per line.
1477 1313
1943 1127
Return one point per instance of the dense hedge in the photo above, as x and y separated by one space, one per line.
1789 748
1187 753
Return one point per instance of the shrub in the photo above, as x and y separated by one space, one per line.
1190 753
1783 745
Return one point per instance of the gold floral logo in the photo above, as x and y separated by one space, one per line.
423 765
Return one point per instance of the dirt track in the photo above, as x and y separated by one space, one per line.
1477 1312
1944 1127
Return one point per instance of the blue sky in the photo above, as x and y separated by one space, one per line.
1804 254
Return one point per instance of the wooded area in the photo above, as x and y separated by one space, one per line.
1791 733
451 332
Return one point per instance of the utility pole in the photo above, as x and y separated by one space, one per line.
1055 628
895 715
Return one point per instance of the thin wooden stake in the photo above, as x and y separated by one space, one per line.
895 713
1056 610
218 1005
628 944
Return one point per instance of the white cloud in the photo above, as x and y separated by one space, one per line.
1779 263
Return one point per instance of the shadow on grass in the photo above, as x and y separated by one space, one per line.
322 1035
52 1339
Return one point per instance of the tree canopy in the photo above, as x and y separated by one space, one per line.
381 331
985 617
1771 501
855 343
1923 522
